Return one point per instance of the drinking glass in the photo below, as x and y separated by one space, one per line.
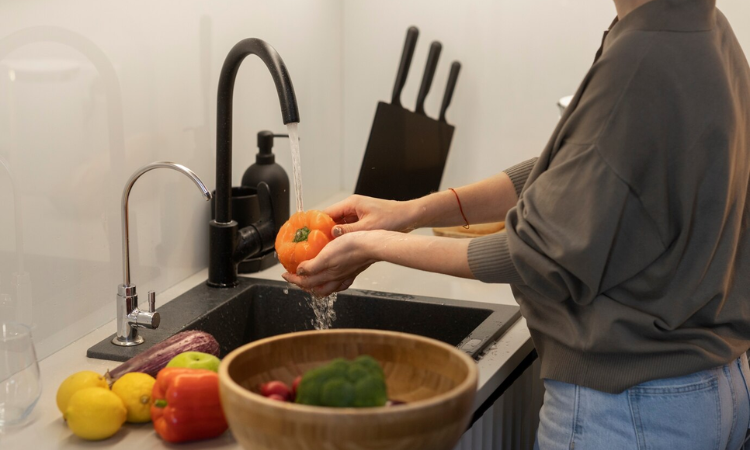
20 383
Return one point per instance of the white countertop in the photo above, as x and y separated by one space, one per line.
45 428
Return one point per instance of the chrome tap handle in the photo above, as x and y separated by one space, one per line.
146 319
151 318
151 301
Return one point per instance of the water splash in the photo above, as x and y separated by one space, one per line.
296 163
323 309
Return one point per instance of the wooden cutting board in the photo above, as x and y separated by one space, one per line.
473 231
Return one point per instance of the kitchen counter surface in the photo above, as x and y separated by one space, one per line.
46 429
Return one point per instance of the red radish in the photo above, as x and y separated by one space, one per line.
276 388
276 397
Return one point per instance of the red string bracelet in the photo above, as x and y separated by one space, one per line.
461 208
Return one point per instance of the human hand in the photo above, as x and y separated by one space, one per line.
360 213
336 266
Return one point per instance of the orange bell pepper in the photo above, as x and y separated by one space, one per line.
185 405
302 237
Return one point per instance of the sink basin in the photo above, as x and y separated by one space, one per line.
257 309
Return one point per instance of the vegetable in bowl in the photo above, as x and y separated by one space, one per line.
344 384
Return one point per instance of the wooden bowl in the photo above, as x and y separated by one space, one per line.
437 381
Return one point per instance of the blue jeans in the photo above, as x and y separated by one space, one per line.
708 410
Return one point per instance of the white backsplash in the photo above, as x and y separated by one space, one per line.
92 90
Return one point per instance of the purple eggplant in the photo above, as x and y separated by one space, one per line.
156 358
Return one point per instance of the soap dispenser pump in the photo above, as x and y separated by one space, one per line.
268 171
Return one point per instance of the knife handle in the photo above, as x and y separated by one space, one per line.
403 68
452 78
429 73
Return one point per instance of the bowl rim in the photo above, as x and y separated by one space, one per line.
472 377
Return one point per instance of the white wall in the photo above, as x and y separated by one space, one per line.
92 90
518 58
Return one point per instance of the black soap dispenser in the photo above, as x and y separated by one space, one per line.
266 170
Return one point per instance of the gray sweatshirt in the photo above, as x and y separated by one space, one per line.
629 247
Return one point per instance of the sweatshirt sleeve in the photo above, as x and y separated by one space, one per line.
520 173
579 229
572 233
489 259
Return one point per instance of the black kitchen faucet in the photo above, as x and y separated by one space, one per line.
228 245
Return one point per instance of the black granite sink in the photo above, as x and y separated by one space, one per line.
258 309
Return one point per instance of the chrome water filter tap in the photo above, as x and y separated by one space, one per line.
129 316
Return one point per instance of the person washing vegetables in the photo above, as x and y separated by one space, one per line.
627 240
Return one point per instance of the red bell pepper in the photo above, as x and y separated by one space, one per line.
185 405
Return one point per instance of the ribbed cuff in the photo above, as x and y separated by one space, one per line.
489 260
520 173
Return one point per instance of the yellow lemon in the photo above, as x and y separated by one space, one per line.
134 389
95 413
76 382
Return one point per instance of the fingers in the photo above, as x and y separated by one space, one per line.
327 288
304 279
332 286
345 215
326 259
310 267
340 230
345 209
310 282
346 219
292 278
322 290
304 283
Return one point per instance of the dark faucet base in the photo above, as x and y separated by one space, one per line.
262 262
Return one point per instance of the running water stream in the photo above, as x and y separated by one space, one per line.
296 163
322 306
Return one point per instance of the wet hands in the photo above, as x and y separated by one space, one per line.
336 266
361 224
359 213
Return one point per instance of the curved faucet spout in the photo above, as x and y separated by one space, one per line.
129 316
224 237
126 194
287 100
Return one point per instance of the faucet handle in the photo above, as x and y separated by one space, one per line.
151 301
146 319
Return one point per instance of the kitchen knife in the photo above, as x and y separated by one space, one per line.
452 78
403 68
429 74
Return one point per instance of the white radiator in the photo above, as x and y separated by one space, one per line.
509 424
